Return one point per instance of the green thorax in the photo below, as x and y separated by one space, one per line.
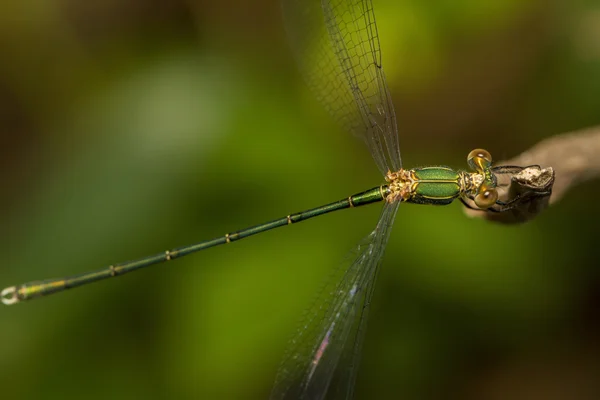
435 185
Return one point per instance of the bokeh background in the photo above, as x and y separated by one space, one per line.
130 127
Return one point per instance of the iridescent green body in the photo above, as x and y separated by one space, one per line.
30 290
425 185
435 185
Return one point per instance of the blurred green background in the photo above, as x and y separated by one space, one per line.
130 127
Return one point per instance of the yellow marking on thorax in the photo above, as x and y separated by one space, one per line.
399 185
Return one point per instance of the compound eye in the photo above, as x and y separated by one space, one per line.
479 159
486 198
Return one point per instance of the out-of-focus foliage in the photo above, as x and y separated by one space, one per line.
129 127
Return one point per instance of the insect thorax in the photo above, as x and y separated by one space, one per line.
431 185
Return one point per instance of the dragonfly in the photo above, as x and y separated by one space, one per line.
337 47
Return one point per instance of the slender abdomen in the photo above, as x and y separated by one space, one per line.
434 185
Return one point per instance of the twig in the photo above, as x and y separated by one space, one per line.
572 156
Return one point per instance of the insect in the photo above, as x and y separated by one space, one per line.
425 185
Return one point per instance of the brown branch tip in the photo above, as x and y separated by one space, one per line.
553 166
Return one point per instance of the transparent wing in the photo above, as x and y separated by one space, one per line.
332 333
337 47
